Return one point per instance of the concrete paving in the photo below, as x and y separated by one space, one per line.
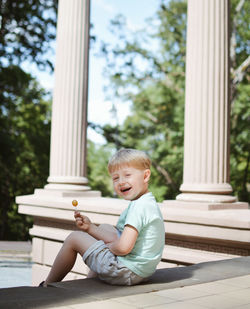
221 284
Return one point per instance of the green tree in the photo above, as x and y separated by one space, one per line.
240 89
26 29
97 162
148 69
24 144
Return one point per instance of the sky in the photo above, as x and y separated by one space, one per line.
102 11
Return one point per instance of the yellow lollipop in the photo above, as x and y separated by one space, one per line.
75 203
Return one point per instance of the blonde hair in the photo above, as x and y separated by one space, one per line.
130 157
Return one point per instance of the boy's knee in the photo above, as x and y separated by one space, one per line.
72 238
106 226
110 230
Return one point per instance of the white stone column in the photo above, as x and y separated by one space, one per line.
69 109
206 143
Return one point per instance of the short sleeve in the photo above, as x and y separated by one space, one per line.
135 216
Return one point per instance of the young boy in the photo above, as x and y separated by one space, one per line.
129 253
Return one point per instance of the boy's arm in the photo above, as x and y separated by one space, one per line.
99 232
126 242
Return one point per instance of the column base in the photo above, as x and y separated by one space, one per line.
78 180
66 191
206 188
207 198
66 186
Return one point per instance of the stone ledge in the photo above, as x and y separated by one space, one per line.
61 208
89 290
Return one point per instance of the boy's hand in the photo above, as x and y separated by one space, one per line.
82 222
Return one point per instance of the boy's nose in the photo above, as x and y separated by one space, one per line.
121 181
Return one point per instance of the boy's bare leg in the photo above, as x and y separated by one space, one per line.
108 233
76 242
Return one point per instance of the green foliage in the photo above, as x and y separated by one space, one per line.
24 144
148 70
26 29
240 89
97 158
240 137
241 30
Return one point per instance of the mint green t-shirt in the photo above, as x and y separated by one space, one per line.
144 214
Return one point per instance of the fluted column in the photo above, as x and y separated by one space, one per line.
69 109
206 143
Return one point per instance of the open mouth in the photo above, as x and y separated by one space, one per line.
125 189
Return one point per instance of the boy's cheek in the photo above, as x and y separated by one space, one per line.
116 191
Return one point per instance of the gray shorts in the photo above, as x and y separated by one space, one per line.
105 264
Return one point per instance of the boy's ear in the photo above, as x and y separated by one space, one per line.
147 174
